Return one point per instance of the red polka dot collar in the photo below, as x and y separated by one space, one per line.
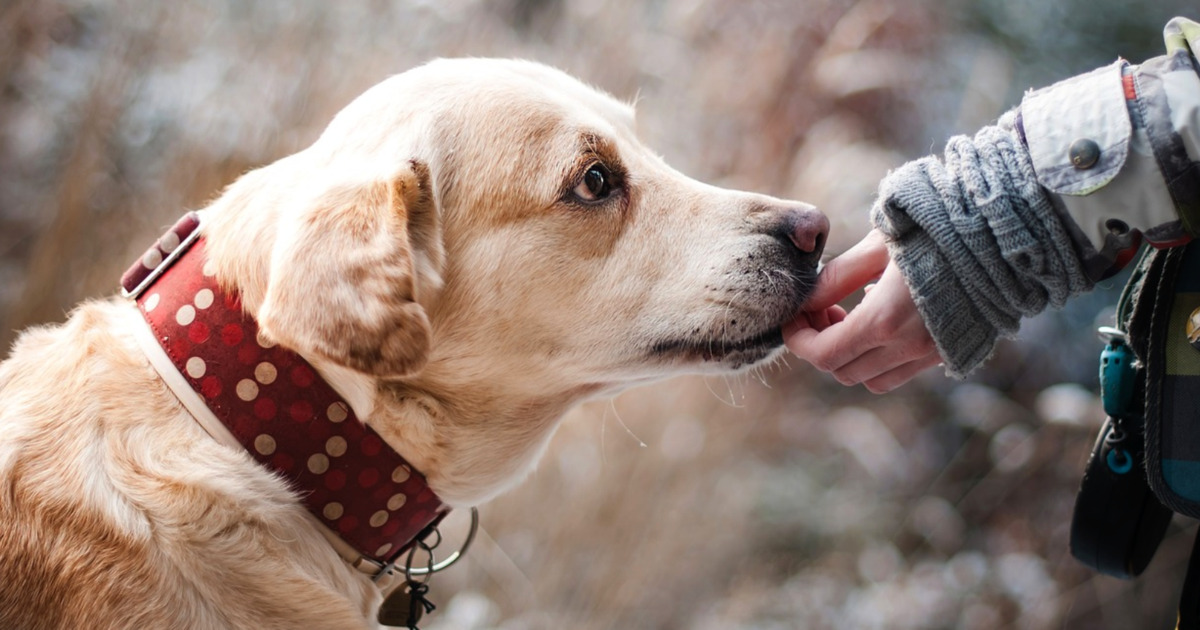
275 405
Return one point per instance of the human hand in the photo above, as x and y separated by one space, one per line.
882 342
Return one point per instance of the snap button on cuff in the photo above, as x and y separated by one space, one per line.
1084 153
1117 227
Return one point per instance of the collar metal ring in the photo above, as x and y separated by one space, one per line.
452 558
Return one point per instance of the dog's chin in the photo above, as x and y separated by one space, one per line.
721 353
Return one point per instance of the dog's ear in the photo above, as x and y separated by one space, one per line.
342 282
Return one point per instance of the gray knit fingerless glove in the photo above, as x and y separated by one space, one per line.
978 242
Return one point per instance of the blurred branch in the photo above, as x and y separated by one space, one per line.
14 36
48 287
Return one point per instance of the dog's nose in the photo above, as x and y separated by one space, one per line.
807 229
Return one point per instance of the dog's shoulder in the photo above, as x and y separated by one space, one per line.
116 510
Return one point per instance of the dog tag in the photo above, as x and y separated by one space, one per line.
405 606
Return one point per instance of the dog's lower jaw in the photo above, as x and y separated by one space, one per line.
470 456
747 359
724 354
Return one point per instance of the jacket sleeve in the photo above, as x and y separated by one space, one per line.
1057 195
1117 149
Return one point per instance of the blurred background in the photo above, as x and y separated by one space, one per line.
774 500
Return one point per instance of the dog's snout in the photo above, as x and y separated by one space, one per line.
803 227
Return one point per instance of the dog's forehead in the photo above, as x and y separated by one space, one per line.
519 125
498 91
509 131
529 84
476 101
471 100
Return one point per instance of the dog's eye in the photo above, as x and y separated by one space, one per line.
597 183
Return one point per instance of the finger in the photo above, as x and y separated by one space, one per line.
845 274
869 365
818 320
889 381
799 336
827 317
886 358
830 349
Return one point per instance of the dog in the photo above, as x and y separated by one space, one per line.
468 250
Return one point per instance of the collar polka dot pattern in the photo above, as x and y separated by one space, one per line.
284 415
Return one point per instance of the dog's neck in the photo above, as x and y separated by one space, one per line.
248 392
357 389
470 453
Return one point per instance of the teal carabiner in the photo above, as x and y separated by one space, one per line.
1117 375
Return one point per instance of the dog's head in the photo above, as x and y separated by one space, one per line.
493 234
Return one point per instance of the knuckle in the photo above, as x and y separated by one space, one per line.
823 364
823 361
845 378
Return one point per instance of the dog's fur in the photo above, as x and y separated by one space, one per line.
431 255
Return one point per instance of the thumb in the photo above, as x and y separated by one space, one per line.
862 263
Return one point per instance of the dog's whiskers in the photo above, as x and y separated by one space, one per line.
616 414
731 401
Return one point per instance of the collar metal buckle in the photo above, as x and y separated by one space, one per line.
434 567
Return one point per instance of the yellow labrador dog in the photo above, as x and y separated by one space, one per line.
470 248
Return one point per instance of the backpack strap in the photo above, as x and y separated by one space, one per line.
1163 299
1167 301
